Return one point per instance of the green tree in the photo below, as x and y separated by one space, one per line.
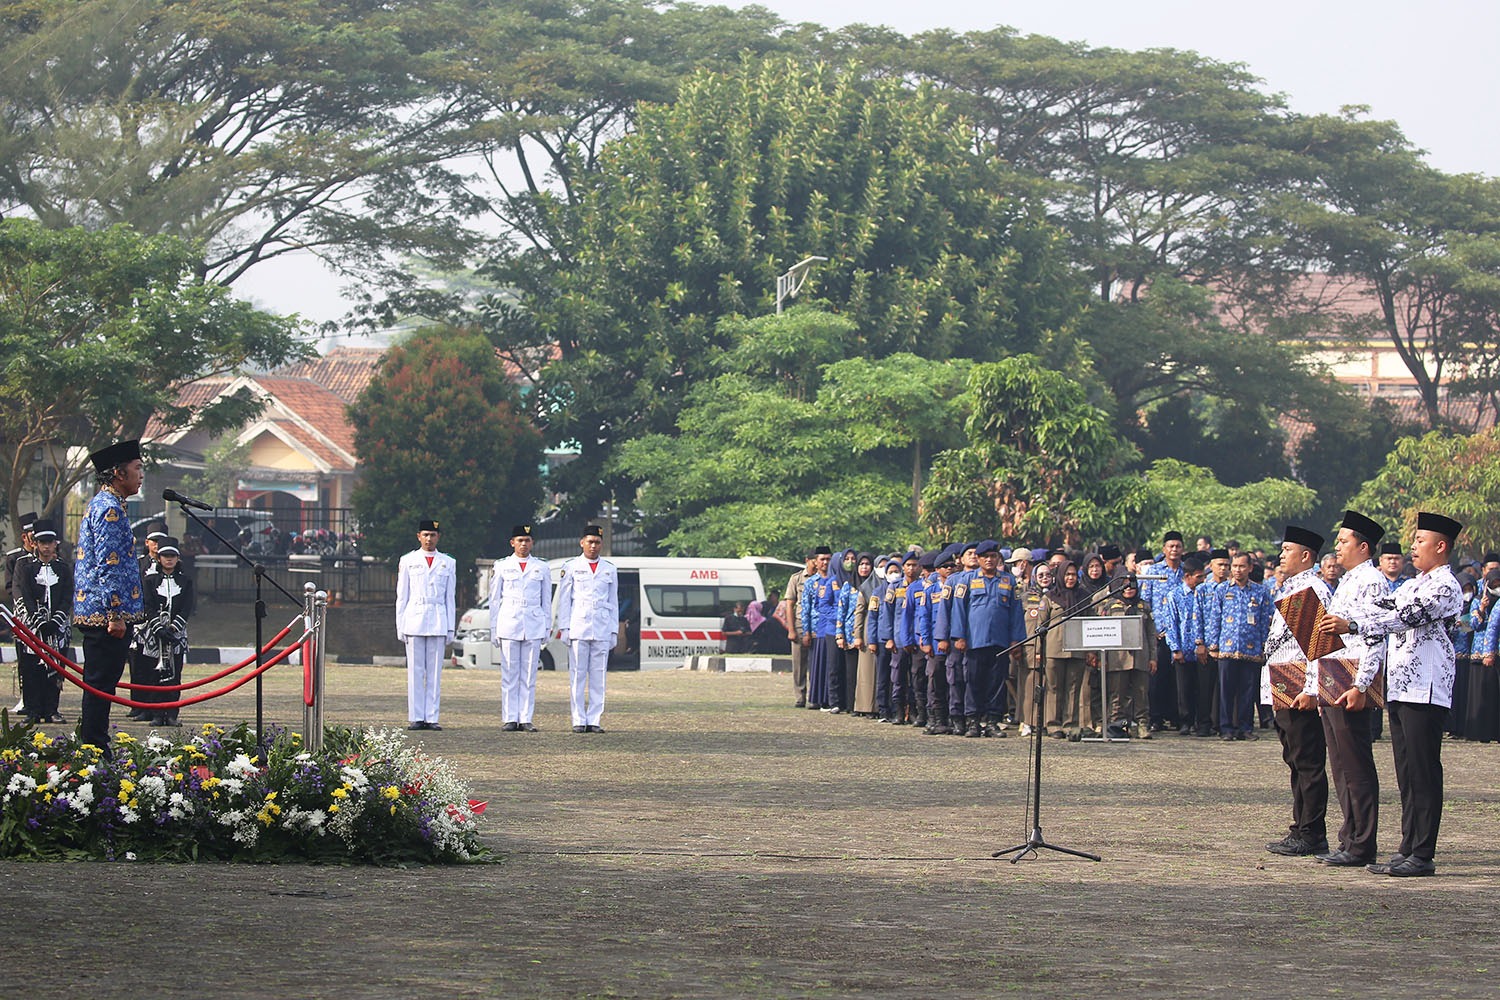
1453 474
254 130
99 331
1337 457
1042 464
1195 503
691 218
439 433
223 464
767 460
1424 244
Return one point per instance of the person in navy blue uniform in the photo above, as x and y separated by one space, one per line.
986 618
935 644
903 641
821 634
881 626
1185 639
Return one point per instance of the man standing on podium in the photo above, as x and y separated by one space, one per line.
1419 685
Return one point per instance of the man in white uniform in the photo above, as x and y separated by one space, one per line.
1418 685
425 621
520 615
588 612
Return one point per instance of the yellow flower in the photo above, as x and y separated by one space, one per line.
264 817
270 795
391 792
210 782
177 776
393 810
341 793
333 808
126 786
133 803
124 738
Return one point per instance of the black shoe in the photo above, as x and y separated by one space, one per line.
1342 859
138 714
1227 737
973 732
580 729
434 727
527 727
1155 727
801 704
1296 846
1384 867
416 725
596 729
510 727
1412 866
1058 734
55 718
1184 730
1251 735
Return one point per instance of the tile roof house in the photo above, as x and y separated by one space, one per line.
301 444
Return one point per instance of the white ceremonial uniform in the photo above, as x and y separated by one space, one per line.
1421 667
1281 645
1354 599
425 621
520 616
588 612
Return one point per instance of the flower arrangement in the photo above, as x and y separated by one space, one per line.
368 796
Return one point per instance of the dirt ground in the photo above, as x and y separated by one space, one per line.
715 842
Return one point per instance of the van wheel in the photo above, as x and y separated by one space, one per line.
547 663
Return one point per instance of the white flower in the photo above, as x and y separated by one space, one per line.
81 799
157 744
355 778
129 855
242 766
128 816
232 785
20 784
54 777
179 806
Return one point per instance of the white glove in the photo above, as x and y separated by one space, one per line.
564 636
400 637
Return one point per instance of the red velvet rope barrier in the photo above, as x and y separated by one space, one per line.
57 664
61 665
34 642
307 671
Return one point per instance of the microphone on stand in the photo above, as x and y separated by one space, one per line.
175 497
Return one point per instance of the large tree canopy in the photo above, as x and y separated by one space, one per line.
694 215
98 330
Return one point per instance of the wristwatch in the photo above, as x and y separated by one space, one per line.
1361 688
1353 626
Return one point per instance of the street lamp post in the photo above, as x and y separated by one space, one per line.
789 284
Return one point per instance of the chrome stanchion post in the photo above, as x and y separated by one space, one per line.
309 624
320 661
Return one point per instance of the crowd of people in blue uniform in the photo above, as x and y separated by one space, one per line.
947 641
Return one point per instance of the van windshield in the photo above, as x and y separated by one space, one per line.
696 601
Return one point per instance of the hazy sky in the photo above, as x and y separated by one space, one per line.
1432 67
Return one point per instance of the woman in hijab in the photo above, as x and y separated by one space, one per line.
1094 577
1483 722
1130 669
859 642
1065 670
842 674
1033 612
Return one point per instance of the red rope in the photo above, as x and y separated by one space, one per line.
41 649
56 663
307 671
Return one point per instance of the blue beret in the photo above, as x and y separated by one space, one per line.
987 546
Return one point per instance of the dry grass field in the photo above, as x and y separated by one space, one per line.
715 842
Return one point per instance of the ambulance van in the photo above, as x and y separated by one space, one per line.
669 609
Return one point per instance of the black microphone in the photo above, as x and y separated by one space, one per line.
175 497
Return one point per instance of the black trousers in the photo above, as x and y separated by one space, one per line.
1162 689
1351 758
1306 754
1417 743
103 662
1197 686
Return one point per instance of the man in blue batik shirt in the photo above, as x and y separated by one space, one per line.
108 601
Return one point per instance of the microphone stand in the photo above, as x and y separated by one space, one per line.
260 613
1036 841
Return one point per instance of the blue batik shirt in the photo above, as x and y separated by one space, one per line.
106 576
